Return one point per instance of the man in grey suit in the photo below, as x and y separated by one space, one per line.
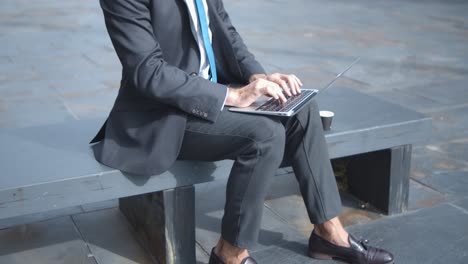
178 59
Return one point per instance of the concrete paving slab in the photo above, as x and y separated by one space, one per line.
418 237
291 253
454 183
13 72
202 256
422 196
63 67
450 124
53 241
82 86
27 89
292 210
433 235
463 204
210 199
110 238
438 171
326 36
456 148
431 158
396 57
444 93
356 211
273 230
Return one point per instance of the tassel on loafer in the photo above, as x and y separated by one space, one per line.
358 253
214 259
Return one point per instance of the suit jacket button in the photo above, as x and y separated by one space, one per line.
193 74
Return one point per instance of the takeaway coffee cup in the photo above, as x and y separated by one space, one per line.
326 117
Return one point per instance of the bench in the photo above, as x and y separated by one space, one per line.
51 167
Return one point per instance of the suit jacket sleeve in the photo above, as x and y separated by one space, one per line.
129 26
246 60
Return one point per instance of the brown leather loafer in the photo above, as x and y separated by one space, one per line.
214 259
358 253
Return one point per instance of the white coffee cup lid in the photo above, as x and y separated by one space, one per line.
327 113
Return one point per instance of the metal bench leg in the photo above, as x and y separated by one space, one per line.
382 178
164 222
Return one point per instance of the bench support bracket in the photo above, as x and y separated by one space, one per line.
164 223
382 178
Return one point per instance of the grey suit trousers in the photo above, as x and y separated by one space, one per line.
259 145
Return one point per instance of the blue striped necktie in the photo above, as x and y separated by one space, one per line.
206 38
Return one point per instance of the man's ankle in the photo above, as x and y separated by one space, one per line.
333 232
226 251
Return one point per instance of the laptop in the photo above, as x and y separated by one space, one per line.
270 106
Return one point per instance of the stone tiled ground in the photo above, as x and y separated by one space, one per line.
57 64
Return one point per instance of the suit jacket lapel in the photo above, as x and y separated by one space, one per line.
222 46
192 26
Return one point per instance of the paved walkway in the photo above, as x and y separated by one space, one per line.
57 63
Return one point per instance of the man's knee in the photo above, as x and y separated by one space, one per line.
269 137
312 107
310 115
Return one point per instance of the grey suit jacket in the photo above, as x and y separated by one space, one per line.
156 45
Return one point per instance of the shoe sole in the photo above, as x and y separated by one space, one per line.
321 256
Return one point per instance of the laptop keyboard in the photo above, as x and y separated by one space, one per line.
291 103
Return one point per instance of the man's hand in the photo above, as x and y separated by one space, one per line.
290 83
245 96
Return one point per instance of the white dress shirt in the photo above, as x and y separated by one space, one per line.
204 70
